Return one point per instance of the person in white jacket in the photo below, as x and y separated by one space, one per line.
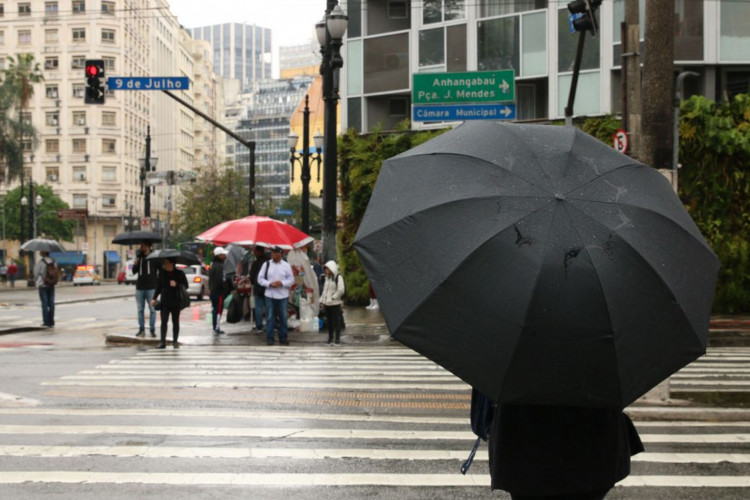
331 299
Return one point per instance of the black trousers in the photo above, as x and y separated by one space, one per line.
165 313
333 318
588 495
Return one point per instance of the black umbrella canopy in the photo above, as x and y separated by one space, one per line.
538 264
181 256
42 245
137 237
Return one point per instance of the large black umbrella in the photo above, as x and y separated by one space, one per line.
136 237
42 245
538 264
181 256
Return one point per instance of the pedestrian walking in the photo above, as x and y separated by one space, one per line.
277 278
12 270
46 277
331 299
3 273
549 452
145 288
216 287
259 292
170 279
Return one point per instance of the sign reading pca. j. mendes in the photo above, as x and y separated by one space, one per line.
467 87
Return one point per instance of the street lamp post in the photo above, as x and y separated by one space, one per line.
147 164
330 32
306 159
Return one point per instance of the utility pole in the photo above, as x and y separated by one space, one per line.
147 168
631 76
658 83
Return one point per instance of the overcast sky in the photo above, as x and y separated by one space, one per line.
292 21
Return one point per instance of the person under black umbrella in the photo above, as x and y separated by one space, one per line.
145 287
170 279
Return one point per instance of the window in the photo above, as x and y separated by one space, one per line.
567 46
79 6
498 44
78 90
2 38
398 9
51 63
26 117
50 9
110 230
24 9
2 63
79 34
52 174
24 37
436 11
52 118
51 36
51 145
109 174
79 174
108 8
109 146
51 92
489 8
108 36
386 65
109 118
79 146
735 31
80 200
109 200
109 63
2 10
26 146
79 118
78 62
431 47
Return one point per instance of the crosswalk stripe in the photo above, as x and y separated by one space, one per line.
45 451
333 479
259 377
264 383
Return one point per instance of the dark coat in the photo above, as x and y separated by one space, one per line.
148 273
169 294
548 450
216 276
258 290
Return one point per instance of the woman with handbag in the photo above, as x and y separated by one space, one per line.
171 283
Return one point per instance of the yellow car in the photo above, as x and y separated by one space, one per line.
86 275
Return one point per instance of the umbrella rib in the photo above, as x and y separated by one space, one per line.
494 165
606 301
600 177
648 264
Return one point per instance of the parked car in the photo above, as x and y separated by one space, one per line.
130 278
86 275
197 277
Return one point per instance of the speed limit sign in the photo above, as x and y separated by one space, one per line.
620 141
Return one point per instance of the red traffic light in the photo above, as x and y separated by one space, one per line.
92 70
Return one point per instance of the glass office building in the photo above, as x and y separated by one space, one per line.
387 41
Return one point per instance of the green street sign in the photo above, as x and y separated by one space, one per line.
468 87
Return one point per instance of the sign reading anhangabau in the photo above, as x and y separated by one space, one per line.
148 83
464 88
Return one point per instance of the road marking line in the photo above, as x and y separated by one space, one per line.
308 385
259 377
231 414
18 399
712 382
334 479
282 371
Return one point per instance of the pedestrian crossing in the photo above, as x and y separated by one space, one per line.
284 421
720 370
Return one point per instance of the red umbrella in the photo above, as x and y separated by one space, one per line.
256 230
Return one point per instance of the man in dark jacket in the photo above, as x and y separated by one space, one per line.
216 286
560 452
145 287
259 293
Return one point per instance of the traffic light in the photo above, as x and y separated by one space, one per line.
94 81
586 10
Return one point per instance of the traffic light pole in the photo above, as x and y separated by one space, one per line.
147 168
574 82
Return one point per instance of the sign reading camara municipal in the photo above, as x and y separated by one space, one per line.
148 83
464 88
461 112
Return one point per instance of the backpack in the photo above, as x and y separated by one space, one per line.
482 411
343 295
50 276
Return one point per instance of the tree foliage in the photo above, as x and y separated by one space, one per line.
360 159
48 225
218 195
